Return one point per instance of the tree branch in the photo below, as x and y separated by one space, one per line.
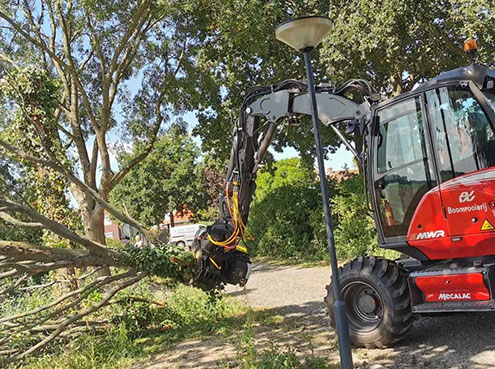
8 60
74 98
36 27
57 228
9 219
97 45
142 11
97 283
85 61
105 299
439 33
82 186
122 173
23 251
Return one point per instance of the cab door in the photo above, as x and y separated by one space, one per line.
402 166
464 140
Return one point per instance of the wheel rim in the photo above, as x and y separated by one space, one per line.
363 304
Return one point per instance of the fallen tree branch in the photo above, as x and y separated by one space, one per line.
23 251
67 322
99 282
56 227
76 181
138 299
10 219
14 286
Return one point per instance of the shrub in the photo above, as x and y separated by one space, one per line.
287 219
282 223
355 233
284 218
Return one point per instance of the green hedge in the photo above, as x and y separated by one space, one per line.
287 219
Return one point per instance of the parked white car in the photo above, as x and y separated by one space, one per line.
184 235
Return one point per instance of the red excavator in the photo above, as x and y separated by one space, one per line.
428 160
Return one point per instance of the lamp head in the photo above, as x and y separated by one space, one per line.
303 34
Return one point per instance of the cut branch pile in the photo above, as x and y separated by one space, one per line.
68 312
61 317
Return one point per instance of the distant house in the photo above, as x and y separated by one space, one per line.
112 229
178 218
116 231
339 175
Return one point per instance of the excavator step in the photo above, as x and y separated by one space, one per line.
453 290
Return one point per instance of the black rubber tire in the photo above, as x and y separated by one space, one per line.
388 283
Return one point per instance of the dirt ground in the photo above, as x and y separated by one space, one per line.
293 297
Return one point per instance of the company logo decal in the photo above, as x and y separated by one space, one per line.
429 235
468 209
466 196
454 296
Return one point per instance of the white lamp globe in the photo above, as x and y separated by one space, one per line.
303 33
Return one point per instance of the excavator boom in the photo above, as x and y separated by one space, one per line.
221 251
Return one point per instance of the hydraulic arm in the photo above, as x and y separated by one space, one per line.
221 250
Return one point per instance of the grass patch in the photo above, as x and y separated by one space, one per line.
115 349
275 357
142 330
189 313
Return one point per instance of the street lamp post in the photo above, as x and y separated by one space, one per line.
304 34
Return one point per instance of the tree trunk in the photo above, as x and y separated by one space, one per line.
396 82
94 228
92 216
93 219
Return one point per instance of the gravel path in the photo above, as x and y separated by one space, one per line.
464 340
295 290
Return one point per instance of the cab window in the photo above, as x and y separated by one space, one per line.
489 92
400 135
403 165
461 131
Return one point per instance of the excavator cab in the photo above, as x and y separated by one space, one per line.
430 170
422 141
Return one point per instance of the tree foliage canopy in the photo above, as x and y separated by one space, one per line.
240 50
286 216
165 181
395 44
